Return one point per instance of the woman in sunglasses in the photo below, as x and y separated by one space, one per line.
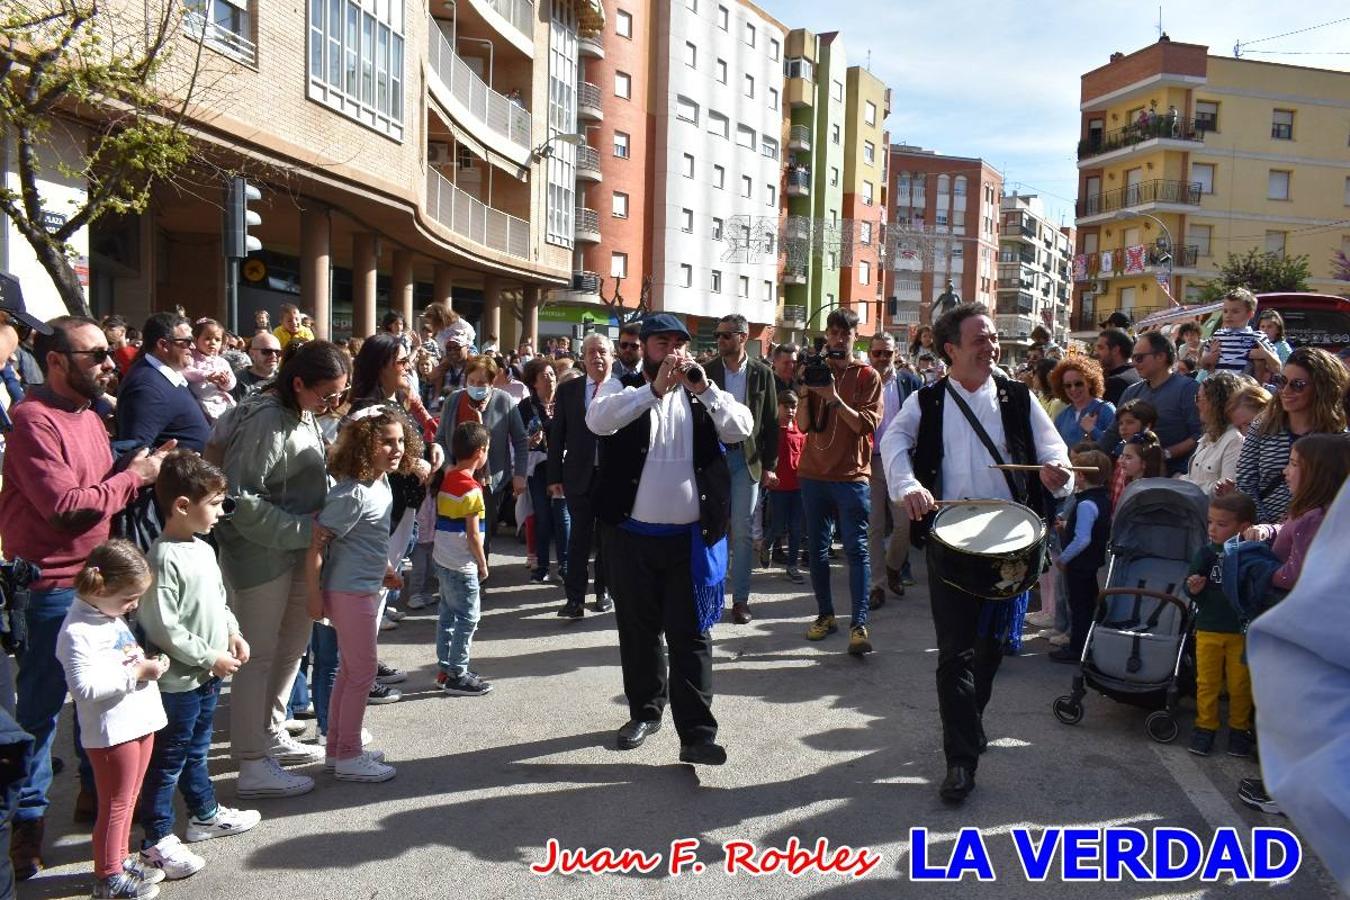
1308 401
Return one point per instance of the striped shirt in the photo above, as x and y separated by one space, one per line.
458 498
1260 471
1235 347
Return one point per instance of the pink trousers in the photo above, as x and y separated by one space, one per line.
353 617
118 773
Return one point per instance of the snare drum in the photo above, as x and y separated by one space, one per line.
992 549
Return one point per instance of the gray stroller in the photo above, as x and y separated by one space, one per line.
1137 646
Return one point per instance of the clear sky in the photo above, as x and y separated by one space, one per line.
1000 80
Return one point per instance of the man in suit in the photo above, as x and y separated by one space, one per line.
572 461
751 382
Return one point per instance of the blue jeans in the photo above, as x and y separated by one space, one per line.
179 758
42 691
457 619
785 517
299 689
551 523
744 495
324 646
848 504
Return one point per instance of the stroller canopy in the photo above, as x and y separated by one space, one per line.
1164 518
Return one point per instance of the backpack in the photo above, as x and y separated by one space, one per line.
1247 570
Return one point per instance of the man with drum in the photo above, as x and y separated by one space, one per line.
943 444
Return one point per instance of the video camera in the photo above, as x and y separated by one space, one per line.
15 577
816 371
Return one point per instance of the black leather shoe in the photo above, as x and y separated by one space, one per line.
571 611
959 782
876 598
603 603
708 754
895 582
635 731
740 613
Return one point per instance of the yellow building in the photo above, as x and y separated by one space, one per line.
1185 158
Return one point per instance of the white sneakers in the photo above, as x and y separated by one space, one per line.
172 858
363 768
264 778
290 752
224 823
366 738
294 727
422 601
330 764
1041 619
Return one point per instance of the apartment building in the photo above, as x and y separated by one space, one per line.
861 282
942 227
1034 283
403 155
1186 157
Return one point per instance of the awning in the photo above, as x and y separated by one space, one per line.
1199 310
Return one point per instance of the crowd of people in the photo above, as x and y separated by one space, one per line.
203 509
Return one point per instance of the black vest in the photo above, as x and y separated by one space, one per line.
624 454
1014 401
1093 556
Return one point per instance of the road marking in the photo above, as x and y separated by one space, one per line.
1212 804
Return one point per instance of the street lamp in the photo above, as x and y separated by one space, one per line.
545 150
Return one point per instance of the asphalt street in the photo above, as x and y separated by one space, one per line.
821 745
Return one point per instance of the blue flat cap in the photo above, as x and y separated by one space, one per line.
662 323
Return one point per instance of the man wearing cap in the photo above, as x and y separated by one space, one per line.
663 517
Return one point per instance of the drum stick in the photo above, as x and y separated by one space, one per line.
1011 467
970 503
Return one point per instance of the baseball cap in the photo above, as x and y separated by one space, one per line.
662 323
11 301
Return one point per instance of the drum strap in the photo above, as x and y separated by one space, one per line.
1015 490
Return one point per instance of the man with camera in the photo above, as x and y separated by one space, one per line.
663 515
840 412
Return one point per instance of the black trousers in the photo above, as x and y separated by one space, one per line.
649 579
1082 588
966 667
583 537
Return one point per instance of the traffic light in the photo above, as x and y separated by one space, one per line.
239 218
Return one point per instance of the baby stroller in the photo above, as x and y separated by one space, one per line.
1136 649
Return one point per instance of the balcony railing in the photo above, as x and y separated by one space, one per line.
494 110
1130 135
586 282
798 182
470 217
794 275
220 37
588 162
793 316
520 13
587 224
799 138
1157 191
1133 260
588 101
1015 325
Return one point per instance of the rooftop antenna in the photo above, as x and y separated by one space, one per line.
1160 24
869 60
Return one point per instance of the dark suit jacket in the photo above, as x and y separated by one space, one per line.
761 396
571 445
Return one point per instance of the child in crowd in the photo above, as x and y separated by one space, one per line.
185 616
1220 648
1141 458
785 497
1084 537
209 374
1236 345
461 563
1132 418
372 443
117 706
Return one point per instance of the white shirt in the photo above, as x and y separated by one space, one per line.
175 377
736 379
1213 460
965 461
667 493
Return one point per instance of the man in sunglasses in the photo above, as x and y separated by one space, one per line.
628 351
265 352
890 553
154 403
1171 394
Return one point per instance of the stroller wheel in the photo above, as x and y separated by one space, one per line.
1162 727
1068 710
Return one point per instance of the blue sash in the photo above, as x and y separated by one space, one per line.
707 566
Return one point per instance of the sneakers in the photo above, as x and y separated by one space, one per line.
385 674
1058 639
290 752
821 628
383 693
466 685
1241 743
124 885
387 624
794 575
397 615
144 871
539 577
1202 741
171 859
858 643
224 823
366 738
363 768
330 764
422 601
1252 791
1041 619
265 778
306 713
294 727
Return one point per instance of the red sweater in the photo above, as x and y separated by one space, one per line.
59 492
790 443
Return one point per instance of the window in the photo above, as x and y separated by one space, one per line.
749 85
718 225
689 165
869 152
722 17
227 29
745 136
1275 242
716 282
686 110
773 98
690 55
686 275
772 194
623 85
864 272
867 193
623 25
621 144
1206 116
834 133
774 49
355 60
718 124
743 287
1201 238
719 177
768 291
1278 188
797 67
769 147
750 34
1347 191
870 113
687 221
747 186
561 181
722 71
1282 125
1204 174
618 265
837 89
865 232
834 176
619 205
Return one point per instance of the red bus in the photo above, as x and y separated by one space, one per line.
1311 320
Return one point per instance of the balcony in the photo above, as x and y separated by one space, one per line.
798 182
588 102
489 114
793 317
799 138
586 282
1145 193
794 275
519 14
1015 325
589 45
587 229
797 228
588 165
1131 136
903 312
473 219
1134 260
